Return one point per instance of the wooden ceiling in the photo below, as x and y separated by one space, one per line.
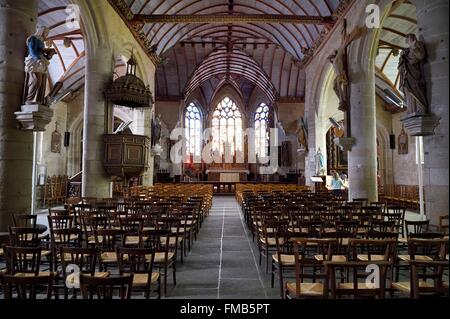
248 40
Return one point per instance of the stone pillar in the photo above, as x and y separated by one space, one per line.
362 164
17 21
311 119
99 69
144 121
433 26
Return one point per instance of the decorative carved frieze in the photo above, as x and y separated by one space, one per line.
122 8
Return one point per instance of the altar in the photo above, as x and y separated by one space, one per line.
227 173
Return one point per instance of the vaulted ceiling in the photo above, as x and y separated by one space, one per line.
200 57
264 55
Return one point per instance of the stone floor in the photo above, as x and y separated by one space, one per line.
223 262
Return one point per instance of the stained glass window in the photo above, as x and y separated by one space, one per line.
262 116
227 126
193 130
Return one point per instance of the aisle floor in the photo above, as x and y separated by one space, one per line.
223 263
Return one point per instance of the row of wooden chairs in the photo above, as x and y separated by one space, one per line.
321 270
107 224
406 195
23 269
284 217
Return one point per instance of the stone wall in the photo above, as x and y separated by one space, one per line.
55 163
404 166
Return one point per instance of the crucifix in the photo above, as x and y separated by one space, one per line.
341 85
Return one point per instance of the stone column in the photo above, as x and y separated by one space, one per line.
143 120
17 21
433 26
99 69
312 122
362 164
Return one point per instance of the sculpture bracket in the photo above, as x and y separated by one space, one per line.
34 117
420 124
156 150
345 143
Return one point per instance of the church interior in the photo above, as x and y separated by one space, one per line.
224 149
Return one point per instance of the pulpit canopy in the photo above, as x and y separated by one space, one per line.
129 90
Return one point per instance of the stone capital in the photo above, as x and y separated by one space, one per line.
345 143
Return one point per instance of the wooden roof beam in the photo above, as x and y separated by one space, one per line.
227 19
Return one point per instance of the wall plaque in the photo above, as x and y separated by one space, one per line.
56 141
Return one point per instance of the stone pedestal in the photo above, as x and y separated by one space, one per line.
34 117
17 21
420 124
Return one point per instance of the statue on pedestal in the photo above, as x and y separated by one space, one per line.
35 112
340 84
36 67
320 165
412 76
156 130
302 134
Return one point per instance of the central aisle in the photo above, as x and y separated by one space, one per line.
223 263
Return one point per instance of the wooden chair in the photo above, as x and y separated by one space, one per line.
283 261
140 262
266 238
351 284
416 227
59 221
70 237
107 240
24 220
25 261
421 250
85 259
159 242
27 287
132 226
24 236
105 288
422 272
90 224
397 214
309 267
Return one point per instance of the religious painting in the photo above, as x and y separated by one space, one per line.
337 159
403 142
56 142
